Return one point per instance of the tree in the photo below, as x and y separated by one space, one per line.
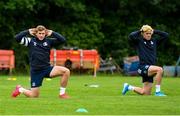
104 25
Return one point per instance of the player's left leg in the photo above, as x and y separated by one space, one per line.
127 87
145 90
65 73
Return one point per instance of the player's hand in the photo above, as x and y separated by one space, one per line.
152 31
48 32
32 31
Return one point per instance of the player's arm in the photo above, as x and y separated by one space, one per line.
163 35
22 38
56 36
134 36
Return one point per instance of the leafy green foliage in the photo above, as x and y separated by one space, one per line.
89 24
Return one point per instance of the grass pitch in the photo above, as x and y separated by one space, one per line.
103 100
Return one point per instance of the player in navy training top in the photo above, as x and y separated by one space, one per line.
39 45
146 42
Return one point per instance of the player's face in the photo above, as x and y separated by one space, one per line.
41 34
147 35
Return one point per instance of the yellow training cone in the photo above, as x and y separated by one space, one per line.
48 79
14 79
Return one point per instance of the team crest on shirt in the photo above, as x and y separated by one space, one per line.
152 42
45 44
35 44
144 42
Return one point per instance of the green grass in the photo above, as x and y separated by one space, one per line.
104 100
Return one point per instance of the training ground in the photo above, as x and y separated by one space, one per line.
102 99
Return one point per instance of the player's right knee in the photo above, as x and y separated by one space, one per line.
67 71
35 95
145 92
142 92
160 70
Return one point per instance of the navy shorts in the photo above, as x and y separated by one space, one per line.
143 71
38 76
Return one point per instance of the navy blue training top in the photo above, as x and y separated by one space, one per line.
146 49
39 50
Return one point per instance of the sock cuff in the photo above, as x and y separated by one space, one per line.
21 89
62 88
158 85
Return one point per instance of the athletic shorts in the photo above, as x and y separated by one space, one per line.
143 71
38 76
